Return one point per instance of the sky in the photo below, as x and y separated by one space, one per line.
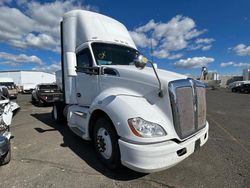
179 35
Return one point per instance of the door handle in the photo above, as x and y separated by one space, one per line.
78 95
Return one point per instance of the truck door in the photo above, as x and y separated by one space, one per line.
86 79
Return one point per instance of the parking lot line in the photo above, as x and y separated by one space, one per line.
229 134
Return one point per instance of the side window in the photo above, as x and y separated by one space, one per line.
84 59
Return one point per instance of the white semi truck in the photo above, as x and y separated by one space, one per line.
145 119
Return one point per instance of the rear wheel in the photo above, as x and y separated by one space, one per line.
106 143
57 112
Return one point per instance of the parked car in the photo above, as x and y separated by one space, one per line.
7 110
46 94
9 83
243 88
4 92
237 83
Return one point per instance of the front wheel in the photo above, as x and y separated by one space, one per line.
246 91
106 143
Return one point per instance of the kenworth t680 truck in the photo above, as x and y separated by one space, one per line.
144 118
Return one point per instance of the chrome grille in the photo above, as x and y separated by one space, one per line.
188 102
185 111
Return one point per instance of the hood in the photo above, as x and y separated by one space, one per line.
147 74
132 81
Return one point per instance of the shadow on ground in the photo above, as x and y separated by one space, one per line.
84 149
36 104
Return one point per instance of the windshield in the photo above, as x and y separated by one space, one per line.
9 85
111 54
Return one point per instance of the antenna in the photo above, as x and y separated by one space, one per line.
151 50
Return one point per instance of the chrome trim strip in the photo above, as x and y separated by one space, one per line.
195 102
81 114
198 84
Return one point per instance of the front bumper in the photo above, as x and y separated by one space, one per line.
150 158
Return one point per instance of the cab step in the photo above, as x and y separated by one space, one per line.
77 131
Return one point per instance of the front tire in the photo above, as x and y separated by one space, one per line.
106 143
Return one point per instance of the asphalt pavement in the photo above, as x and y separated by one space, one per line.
46 154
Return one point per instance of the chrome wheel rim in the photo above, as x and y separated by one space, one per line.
104 143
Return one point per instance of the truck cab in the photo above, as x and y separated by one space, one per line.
144 118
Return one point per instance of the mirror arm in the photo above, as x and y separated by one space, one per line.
160 94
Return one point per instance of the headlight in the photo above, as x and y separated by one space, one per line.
143 128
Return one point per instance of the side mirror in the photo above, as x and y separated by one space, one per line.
140 61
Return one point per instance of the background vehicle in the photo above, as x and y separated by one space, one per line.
9 83
46 94
7 110
243 88
144 118
4 93
27 88
237 83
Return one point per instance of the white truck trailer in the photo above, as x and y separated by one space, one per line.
142 118
26 80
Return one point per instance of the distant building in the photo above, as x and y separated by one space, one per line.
213 76
246 74
27 80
